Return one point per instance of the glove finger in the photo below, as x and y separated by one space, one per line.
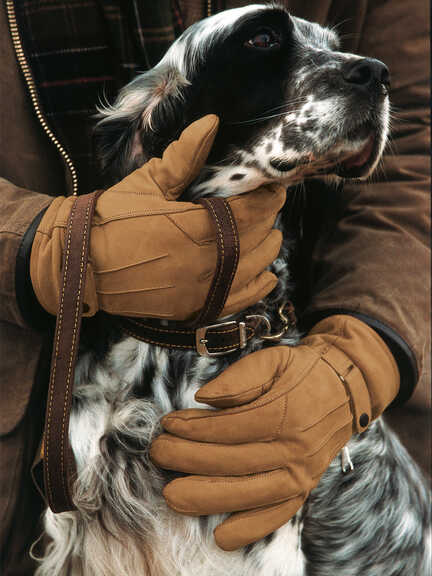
204 495
230 426
254 213
252 263
323 454
184 158
244 381
251 208
245 528
173 453
258 249
252 238
250 294
252 282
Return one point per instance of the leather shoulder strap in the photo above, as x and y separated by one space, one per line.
59 466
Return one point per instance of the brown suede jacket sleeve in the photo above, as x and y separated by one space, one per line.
373 259
19 345
19 208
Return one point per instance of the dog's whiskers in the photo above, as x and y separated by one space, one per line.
286 110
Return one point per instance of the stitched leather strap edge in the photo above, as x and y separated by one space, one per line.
228 252
59 465
183 335
219 339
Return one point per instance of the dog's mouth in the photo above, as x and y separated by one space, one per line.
346 159
358 164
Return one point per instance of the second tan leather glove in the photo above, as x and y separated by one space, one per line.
153 257
285 414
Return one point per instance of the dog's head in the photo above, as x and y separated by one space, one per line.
291 104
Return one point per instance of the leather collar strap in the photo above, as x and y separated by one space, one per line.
59 465
201 335
213 340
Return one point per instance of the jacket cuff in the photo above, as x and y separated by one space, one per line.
402 353
31 311
18 208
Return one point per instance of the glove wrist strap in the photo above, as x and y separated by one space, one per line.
355 387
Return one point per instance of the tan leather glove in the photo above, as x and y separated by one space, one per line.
286 413
152 257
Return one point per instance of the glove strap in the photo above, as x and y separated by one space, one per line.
59 464
355 386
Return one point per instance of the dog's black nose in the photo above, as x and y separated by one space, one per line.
366 71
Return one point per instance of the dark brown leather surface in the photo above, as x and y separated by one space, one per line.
58 459
219 339
228 252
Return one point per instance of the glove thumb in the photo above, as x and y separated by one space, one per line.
184 158
245 380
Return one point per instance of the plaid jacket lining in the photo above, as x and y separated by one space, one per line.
82 51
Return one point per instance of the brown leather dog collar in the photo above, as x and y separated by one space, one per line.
201 334
212 340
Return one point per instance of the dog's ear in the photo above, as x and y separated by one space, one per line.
147 115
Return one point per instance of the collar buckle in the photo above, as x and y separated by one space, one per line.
201 340
287 317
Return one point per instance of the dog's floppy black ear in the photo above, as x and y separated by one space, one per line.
146 116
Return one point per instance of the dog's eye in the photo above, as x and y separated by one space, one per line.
264 40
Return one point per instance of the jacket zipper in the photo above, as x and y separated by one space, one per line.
31 86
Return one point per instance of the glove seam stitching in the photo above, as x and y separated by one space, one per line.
239 394
278 430
309 426
195 161
328 439
263 508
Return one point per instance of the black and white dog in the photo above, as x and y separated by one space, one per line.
291 106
